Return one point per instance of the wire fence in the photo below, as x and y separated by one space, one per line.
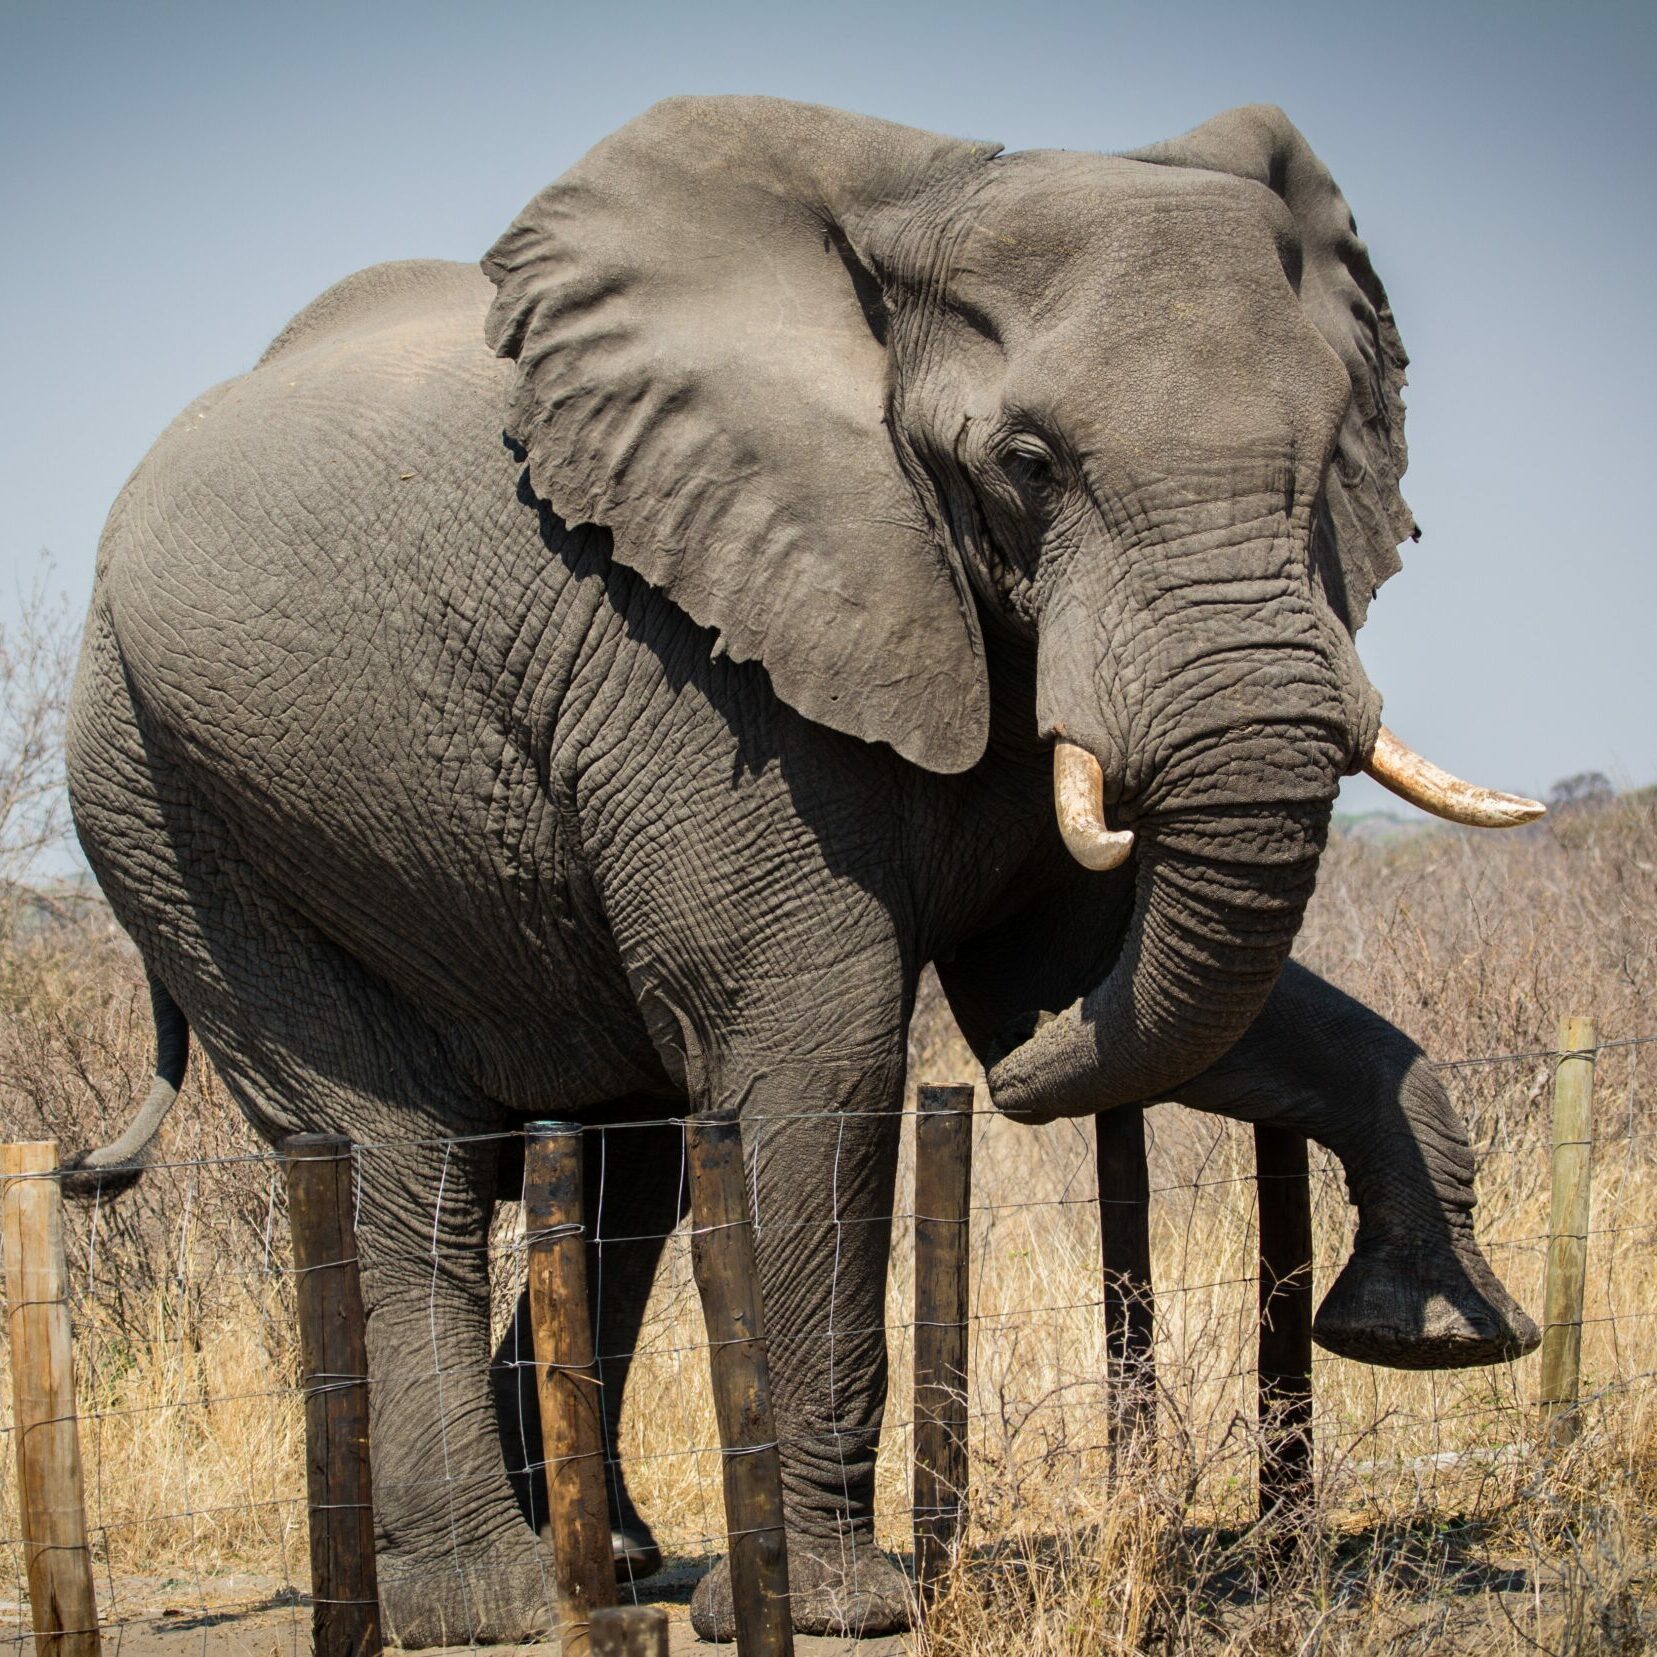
191 1415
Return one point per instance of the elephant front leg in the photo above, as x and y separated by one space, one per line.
821 1141
1417 1292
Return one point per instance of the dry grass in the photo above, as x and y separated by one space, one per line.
1442 1524
185 1345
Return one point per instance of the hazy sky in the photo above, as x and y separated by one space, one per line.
178 179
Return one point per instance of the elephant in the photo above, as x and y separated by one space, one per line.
597 685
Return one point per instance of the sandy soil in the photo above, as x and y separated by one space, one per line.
252 1616
1479 1611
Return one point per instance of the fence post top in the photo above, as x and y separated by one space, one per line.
1578 1039
29 1156
713 1124
320 1147
552 1130
947 1099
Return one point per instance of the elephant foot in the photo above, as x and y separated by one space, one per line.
845 1589
496 1595
637 1555
1422 1307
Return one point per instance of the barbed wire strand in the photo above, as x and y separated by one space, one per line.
1055 1394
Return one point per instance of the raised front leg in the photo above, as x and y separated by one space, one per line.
1417 1293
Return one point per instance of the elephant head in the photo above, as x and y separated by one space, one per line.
850 393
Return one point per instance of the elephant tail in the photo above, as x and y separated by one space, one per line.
108 1170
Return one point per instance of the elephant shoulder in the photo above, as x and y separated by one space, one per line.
382 293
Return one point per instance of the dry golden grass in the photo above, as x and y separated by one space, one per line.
1442 1523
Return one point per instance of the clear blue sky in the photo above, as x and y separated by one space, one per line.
179 178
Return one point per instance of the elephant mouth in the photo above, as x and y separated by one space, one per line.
1079 798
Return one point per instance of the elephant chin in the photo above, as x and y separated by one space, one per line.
1208 938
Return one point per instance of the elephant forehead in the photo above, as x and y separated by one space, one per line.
1252 381
1045 226
1201 352
1148 302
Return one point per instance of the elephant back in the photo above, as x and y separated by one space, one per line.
374 294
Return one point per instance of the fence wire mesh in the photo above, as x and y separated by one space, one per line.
192 1420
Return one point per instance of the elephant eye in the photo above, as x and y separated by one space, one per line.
1032 466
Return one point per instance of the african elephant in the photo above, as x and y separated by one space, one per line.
595 688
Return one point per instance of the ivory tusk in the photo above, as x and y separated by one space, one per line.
1079 800
1419 781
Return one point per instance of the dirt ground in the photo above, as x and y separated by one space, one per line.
1482 1609
253 1616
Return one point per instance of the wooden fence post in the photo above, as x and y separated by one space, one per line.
727 1278
1130 1296
572 1412
629 1631
943 1194
51 1499
1573 1127
345 1593
1284 1205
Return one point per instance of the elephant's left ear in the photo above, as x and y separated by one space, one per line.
699 331
1366 515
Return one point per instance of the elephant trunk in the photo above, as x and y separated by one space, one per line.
1200 696
1219 898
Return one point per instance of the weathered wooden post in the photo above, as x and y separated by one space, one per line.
630 1631
1284 1204
727 1278
572 1411
943 1191
1573 1127
1130 1296
345 1593
51 1499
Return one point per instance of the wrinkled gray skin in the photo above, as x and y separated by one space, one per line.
441 791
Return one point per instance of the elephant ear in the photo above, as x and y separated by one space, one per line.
1364 516
699 336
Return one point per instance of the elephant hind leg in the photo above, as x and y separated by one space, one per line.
457 1564
306 1040
635 1197
1417 1292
